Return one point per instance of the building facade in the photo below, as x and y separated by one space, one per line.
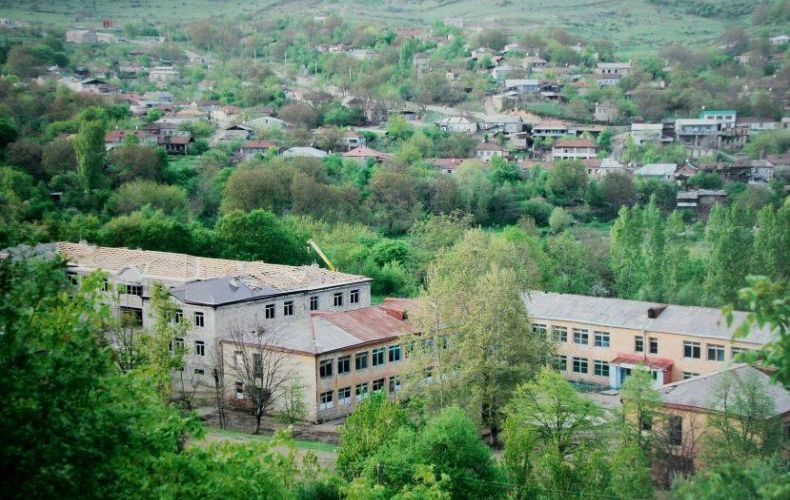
600 340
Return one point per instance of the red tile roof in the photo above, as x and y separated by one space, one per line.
365 152
649 361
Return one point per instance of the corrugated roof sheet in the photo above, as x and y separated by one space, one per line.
697 391
692 321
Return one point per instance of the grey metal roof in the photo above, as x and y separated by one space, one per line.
697 391
226 290
657 169
705 322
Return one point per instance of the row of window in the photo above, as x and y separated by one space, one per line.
376 357
715 352
581 365
178 343
344 395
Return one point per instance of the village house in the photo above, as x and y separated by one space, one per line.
304 152
364 154
501 73
486 151
700 201
756 124
535 64
688 405
600 340
779 40
447 165
163 75
352 139
81 36
252 148
176 144
523 86
609 74
727 117
574 149
646 132
115 138
422 62
508 124
334 343
600 167
606 112
550 128
659 171
457 124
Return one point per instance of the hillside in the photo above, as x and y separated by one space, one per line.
632 25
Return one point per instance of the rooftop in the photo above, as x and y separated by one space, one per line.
657 169
692 321
575 143
189 268
489 146
697 392
365 152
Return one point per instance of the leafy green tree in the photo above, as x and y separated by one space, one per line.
559 220
137 161
626 258
147 229
641 403
771 255
768 478
135 195
89 146
730 236
72 424
260 235
567 181
366 431
476 345
616 190
654 254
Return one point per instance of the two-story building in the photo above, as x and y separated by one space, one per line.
574 149
600 340
486 151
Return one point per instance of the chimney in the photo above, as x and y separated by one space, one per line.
655 312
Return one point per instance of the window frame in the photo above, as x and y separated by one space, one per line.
326 400
288 308
325 368
691 348
337 299
651 342
343 365
602 339
580 334
377 356
394 384
559 362
581 362
200 319
361 358
269 311
353 296
345 396
361 391
639 343
314 304
718 349
200 348
381 382
394 353
559 334
539 328
599 367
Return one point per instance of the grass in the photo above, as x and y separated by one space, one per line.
228 435
634 26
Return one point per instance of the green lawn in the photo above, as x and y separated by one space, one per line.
227 435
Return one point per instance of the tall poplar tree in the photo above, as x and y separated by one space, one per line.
654 253
626 252
89 146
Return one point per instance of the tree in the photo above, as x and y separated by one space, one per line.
260 235
147 229
72 424
559 220
137 194
730 235
476 345
654 254
365 431
551 408
641 403
617 190
766 478
567 181
393 202
26 154
262 366
768 306
299 114
59 157
252 187
138 161
89 147
626 258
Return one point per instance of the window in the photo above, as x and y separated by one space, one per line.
715 352
325 368
444 342
428 372
288 308
639 344
601 368
353 297
378 356
361 360
691 350
239 390
238 359
378 385
326 401
343 365
200 348
539 329
560 362
344 396
199 319
269 311
338 297
105 286
736 351
601 339
394 384
178 342
257 365
394 353
362 391
580 365
131 317
314 303
675 430
179 317
580 336
559 333
688 375
199 371
130 289
653 345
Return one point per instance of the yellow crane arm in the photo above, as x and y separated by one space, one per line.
321 254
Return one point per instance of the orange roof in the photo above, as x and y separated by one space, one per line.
648 361
365 152
258 145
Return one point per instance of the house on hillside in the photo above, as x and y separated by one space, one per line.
364 154
447 165
726 117
523 85
574 149
176 144
163 75
304 152
251 148
700 201
606 112
501 73
779 40
486 151
81 36
457 124
535 64
659 171
756 124
508 124
352 139
646 132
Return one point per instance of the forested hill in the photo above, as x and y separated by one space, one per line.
630 24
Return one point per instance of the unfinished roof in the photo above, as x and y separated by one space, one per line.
704 322
186 268
325 332
696 392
